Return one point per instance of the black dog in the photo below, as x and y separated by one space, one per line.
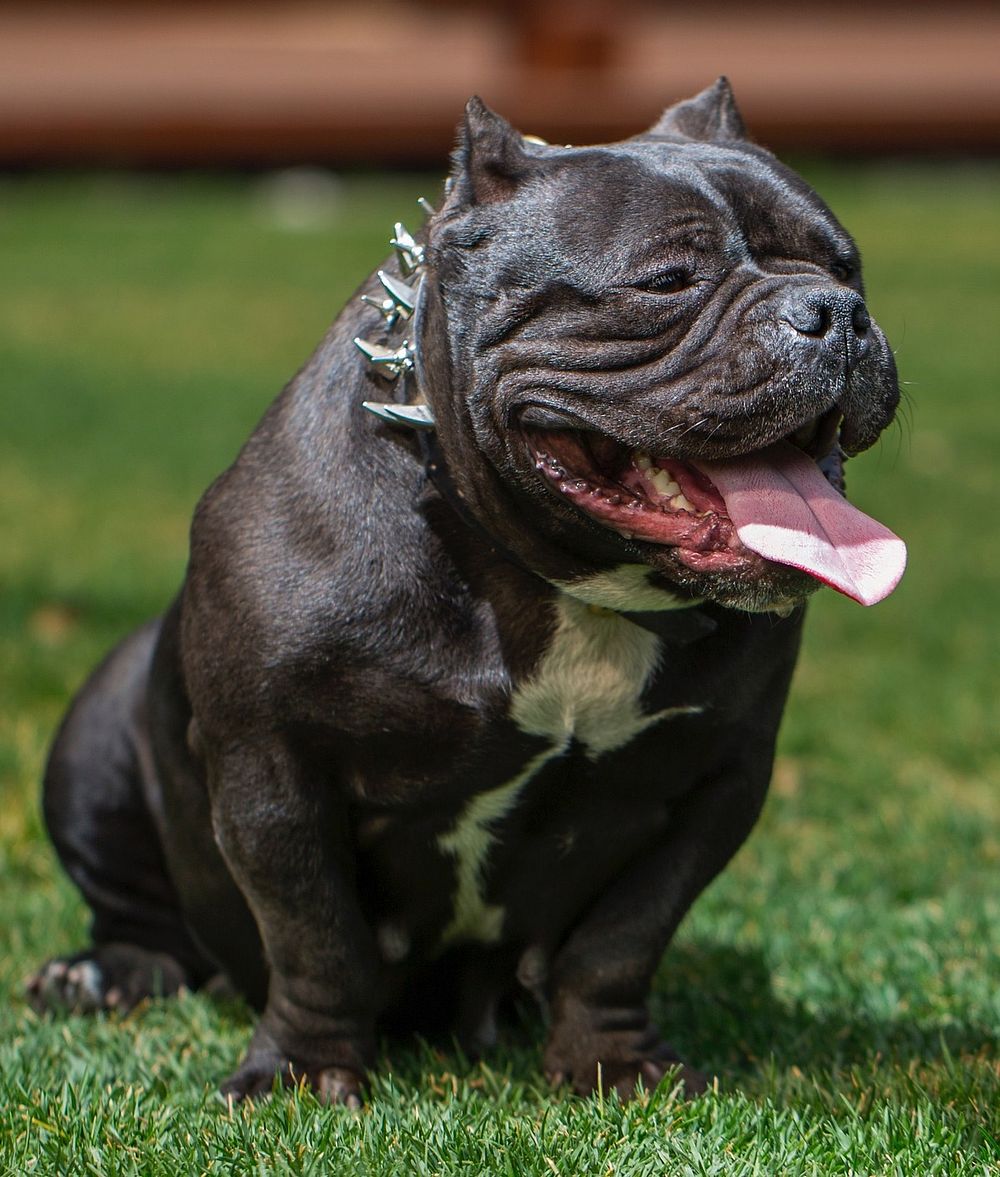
480 689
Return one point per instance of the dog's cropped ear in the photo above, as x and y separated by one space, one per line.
710 116
489 161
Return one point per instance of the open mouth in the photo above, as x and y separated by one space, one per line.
642 496
782 504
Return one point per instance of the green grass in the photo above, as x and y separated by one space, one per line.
843 977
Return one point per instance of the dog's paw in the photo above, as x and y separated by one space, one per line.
255 1080
332 1065
589 1069
107 977
67 984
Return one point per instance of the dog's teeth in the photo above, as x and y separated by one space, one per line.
664 484
680 503
642 461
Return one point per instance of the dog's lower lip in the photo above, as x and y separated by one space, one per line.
818 436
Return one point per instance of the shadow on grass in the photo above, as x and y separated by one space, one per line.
718 1006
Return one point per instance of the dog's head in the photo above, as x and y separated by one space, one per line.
645 353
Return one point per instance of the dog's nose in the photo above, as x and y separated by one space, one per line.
836 316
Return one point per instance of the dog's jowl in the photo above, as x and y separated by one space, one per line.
474 680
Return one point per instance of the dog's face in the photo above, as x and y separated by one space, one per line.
622 322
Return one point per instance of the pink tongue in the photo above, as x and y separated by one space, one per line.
784 509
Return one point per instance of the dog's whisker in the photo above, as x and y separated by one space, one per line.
695 425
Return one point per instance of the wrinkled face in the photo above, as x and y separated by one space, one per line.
625 322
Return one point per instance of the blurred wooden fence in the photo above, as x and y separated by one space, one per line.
385 81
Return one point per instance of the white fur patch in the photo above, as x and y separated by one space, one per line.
587 687
589 683
470 841
393 943
626 587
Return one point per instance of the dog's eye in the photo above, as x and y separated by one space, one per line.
669 282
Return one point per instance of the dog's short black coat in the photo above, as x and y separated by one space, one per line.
394 751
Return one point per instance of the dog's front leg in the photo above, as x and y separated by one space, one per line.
282 832
601 1033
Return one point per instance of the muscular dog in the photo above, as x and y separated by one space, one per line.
475 676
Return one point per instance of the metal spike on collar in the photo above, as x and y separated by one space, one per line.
390 362
386 308
379 409
403 295
409 251
426 205
412 416
400 301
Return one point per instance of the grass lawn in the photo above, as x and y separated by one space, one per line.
842 978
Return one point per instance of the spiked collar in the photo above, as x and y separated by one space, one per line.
396 361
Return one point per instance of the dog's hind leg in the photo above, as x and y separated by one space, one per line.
97 808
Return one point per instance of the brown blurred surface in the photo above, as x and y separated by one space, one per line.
386 81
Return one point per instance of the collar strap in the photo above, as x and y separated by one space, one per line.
679 627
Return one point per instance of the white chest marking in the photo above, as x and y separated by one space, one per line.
627 587
587 686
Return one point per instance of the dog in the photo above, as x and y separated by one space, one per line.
474 680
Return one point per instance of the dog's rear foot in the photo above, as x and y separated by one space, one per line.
106 977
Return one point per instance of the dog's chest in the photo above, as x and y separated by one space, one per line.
585 691
589 682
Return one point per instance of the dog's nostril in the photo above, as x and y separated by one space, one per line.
837 318
861 321
812 318
822 312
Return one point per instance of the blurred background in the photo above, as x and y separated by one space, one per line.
151 82
188 195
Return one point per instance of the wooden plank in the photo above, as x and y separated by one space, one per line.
386 81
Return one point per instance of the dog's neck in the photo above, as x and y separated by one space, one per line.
395 359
